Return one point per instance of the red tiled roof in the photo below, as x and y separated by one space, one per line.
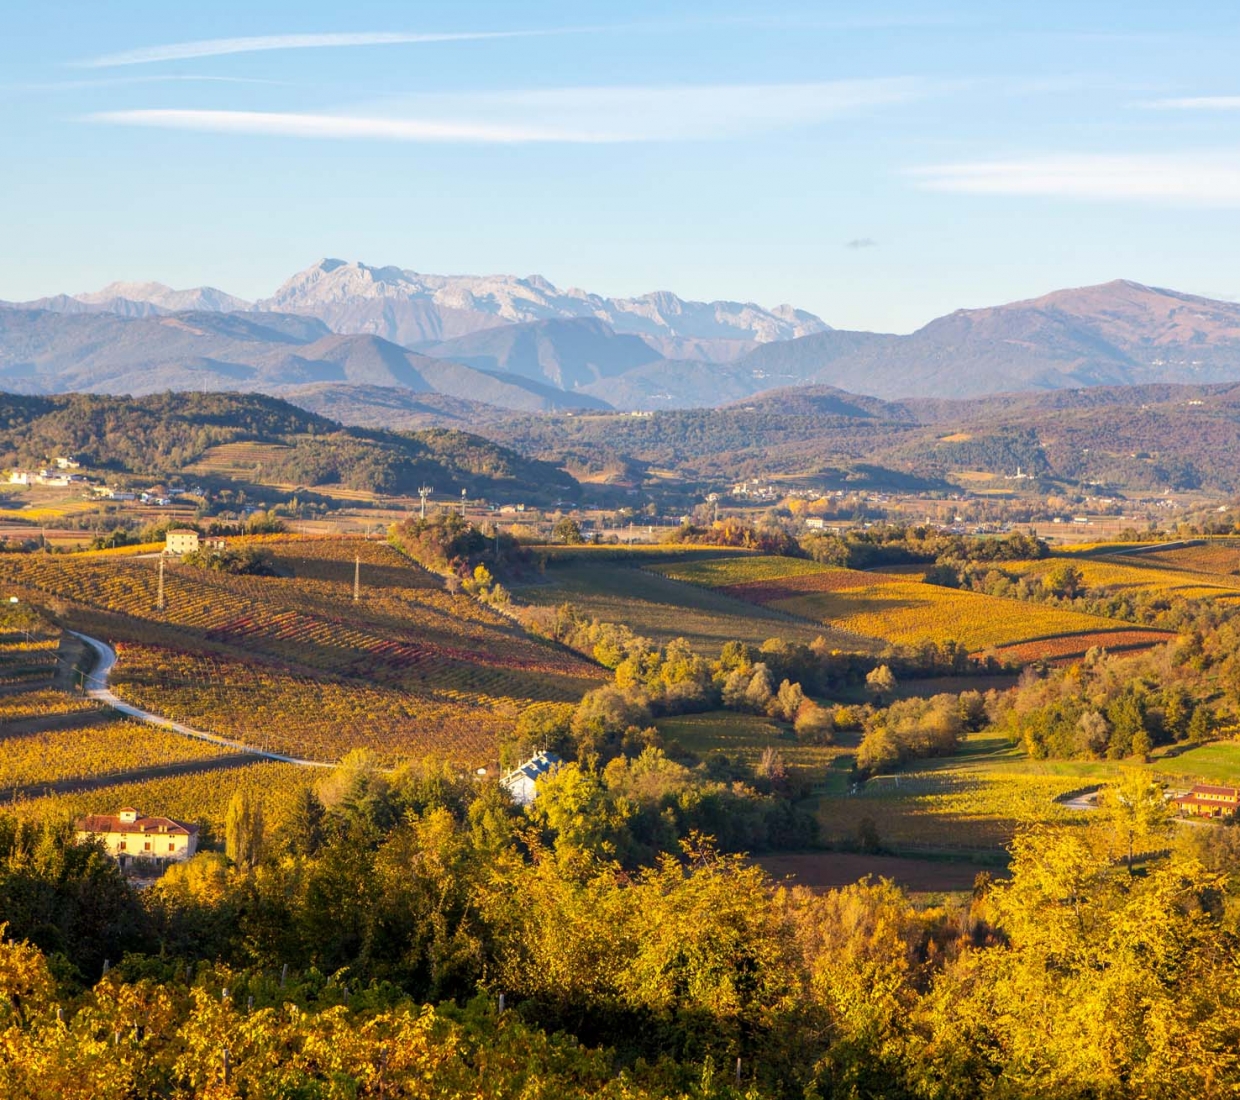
111 823
1205 788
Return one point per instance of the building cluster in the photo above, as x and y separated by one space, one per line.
58 476
63 473
756 488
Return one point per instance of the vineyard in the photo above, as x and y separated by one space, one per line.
92 752
661 608
888 606
237 460
1145 573
315 718
1221 558
292 659
199 797
41 703
745 737
961 807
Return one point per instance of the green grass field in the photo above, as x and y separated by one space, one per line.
1217 762
966 806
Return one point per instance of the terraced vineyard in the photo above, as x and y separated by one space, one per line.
439 672
237 460
41 703
887 606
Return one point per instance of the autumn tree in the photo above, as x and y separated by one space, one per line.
243 829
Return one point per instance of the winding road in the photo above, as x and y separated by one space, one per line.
97 688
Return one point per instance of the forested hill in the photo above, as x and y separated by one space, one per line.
161 434
1133 438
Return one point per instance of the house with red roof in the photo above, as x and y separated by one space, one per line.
129 836
1205 800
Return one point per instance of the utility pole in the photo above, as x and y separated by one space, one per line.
159 600
357 578
424 492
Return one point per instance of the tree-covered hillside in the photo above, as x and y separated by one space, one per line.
160 434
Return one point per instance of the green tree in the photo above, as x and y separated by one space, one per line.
243 829
567 530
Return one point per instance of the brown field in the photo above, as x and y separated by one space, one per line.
1077 645
790 588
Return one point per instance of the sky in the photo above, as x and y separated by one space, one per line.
877 164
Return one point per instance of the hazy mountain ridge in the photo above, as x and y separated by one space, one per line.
45 352
412 308
1116 334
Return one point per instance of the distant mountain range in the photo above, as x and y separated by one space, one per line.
45 352
419 310
522 344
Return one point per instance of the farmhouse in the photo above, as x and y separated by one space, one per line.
129 836
1206 801
521 782
181 540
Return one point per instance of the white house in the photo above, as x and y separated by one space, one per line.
20 477
129 836
182 540
521 782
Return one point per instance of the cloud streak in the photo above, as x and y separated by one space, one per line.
861 242
1210 179
221 47
296 124
565 115
1195 103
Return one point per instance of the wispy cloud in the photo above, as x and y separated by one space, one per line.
861 242
122 81
570 115
1195 103
1203 179
295 124
219 47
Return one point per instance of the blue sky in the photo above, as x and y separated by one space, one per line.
878 164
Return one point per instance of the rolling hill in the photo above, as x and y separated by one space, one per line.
161 434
